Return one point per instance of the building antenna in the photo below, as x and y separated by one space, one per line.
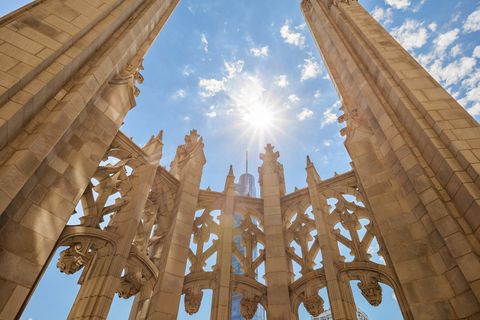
246 161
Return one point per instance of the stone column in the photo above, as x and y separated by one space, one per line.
69 89
414 150
342 304
277 274
102 279
187 168
141 302
221 305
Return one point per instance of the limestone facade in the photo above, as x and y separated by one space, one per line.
68 74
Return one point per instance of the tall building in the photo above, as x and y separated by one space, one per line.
327 315
244 187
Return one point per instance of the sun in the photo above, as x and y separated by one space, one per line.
259 117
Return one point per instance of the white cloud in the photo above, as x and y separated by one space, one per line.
472 23
180 94
476 52
475 109
433 26
317 94
456 50
411 34
418 5
210 87
454 71
281 81
310 69
329 116
473 80
382 15
186 118
260 52
233 67
187 70
204 41
293 98
305 114
472 96
327 143
211 114
398 4
292 37
444 40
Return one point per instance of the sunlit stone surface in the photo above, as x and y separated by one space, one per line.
413 193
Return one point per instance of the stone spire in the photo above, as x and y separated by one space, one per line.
271 165
154 146
312 173
230 180
191 149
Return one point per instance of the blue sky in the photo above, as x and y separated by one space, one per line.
220 64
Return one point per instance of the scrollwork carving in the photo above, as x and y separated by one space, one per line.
313 303
193 300
306 5
74 258
371 290
248 306
192 147
130 284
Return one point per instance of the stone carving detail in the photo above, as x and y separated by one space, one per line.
313 303
193 146
130 284
354 121
131 73
193 300
203 227
270 162
250 237
336 2
248 307
348 214
371 290
106 194
306 5
74 258
299 231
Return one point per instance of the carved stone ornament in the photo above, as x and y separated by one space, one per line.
248 307
336 2
306 5
371 290
193 300
313 303
193 144
130 284
73 258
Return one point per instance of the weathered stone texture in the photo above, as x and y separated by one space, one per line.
68 75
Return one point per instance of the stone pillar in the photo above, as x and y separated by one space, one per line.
221 305
277 273
187 168
102 277
342 304
141 302
70 85
414 150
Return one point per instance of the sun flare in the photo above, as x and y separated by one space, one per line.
259 117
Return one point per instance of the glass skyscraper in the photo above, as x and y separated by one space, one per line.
244 187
